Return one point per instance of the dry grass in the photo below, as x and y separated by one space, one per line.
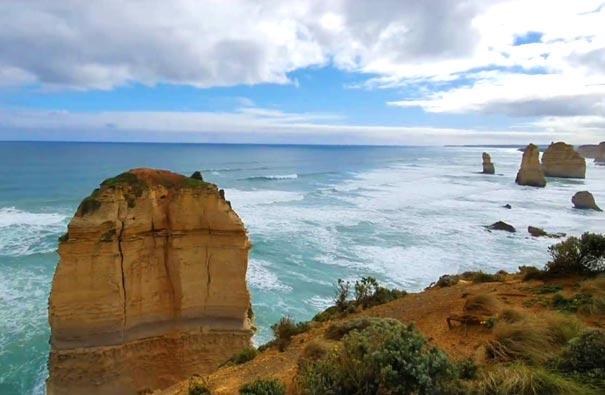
533 340
482 304
523 380
315 350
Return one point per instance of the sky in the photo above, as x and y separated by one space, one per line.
314 72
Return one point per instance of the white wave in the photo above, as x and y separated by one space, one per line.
261 277
275 177
26 233
241 198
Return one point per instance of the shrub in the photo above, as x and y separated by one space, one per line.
263 387
585 354
198 386
532 340
548 289
315 350
584 255
467 369
386 357
523 380
531 273
447 280
340 329
328 314
343 292
245 355
287 328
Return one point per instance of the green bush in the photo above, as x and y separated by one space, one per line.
340 329
584 255
198 386
245 355
447 280
531 273
482 277
387 357
585 354
287 328
263 387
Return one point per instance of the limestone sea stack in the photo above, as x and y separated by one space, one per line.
150 287
488 166
599 158
562 160
585 201
588 151
531 173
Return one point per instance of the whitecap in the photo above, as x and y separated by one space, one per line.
274 177
260 276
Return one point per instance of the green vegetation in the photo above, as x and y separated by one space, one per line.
315 350
584 255
585 354
449 280
245 355
548 289
285 329
198 386
339 330
517 379
387 357
88 206
263 387
531 273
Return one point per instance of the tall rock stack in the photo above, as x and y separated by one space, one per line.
599 158
562 160
488 166
150 287
531 173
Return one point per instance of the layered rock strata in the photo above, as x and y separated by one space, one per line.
150 287
488 166
531 173
562 160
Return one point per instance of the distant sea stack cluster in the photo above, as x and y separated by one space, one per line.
150 287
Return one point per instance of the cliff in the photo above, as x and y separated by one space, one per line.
150 287
488 166
561 160
531 173
600 154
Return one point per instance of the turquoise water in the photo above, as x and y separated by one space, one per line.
315 214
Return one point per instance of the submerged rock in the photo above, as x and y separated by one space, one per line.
150 287
599 158
585 201
530 172
507 206
561 160
501 226
539 232
488 166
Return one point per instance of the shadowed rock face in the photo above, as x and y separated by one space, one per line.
488 166
585 201
150 287
600 154
531 173
561 160
588 151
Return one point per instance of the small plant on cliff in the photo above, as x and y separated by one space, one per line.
89 205
386 357
198 386
245 355
584 255
263 387
287 328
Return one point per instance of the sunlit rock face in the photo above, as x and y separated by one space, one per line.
562 160
150 287
531 173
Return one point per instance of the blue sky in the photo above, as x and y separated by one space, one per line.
385 72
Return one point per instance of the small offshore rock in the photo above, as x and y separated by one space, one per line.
507 206
584 200
488 166
539 232
500 225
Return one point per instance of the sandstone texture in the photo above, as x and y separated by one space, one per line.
562 160
585 201
150 287
488 166
599 158
531 173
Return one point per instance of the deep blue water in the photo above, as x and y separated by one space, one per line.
314 213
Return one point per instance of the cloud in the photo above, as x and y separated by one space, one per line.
258 125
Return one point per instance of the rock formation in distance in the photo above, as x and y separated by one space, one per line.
562 160
539 232
150 287
488 166
531 173
500 225
585 201
588 151
599 158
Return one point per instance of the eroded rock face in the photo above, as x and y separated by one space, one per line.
599 158
531 173
488 166
585 201
562 160
150 287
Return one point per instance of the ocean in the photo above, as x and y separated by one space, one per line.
405 215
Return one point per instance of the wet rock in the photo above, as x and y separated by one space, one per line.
500 225
585 201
